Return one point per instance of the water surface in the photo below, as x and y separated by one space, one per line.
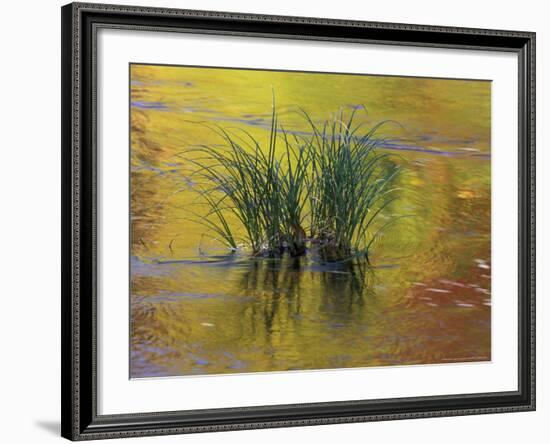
195 309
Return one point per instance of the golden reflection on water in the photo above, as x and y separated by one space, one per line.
427 298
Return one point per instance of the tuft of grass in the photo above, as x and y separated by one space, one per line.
264 191
350 186
332 184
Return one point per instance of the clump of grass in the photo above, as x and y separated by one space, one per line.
332 184
350 185
266 192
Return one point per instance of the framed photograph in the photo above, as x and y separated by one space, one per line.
281 221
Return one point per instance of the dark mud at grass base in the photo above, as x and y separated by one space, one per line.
426 300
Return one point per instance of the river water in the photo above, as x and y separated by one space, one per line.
195 309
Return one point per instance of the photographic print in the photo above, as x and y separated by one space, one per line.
285 220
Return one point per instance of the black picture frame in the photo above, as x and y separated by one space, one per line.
80 420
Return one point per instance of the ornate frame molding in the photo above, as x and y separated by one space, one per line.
79 395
